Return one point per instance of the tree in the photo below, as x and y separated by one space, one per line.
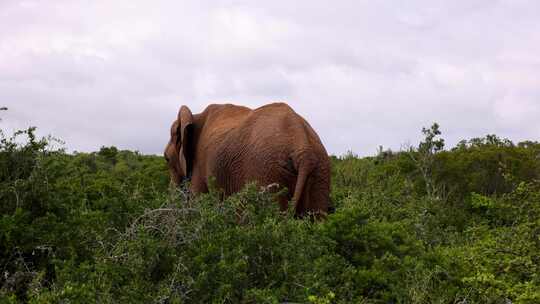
424 157
3 109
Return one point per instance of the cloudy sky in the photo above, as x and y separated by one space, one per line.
363 73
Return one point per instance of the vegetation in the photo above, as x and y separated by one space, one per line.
427 225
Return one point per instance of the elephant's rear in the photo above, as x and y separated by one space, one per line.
287 137
312 189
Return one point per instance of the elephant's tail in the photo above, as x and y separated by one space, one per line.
312 187
307 168
299 196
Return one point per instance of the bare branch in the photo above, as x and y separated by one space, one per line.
175 210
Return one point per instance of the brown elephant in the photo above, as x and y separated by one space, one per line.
237 145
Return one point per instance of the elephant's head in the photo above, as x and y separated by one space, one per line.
178 150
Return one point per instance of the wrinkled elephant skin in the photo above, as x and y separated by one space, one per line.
237 145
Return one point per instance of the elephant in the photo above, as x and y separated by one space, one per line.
236 145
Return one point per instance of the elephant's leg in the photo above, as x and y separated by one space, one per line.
199 183
283 202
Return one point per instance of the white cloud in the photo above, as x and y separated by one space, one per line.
513 110
363 73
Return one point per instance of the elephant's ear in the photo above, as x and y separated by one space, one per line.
185 119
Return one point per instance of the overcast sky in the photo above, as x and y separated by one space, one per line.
363 73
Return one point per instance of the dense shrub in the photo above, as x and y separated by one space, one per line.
425 225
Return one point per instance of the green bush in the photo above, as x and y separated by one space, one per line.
425 225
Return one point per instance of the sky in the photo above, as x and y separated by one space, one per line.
363 73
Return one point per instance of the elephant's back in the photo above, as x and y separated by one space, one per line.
275 136
278 123
220 123
225 116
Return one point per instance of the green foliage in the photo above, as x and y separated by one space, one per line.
426 225
57 208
